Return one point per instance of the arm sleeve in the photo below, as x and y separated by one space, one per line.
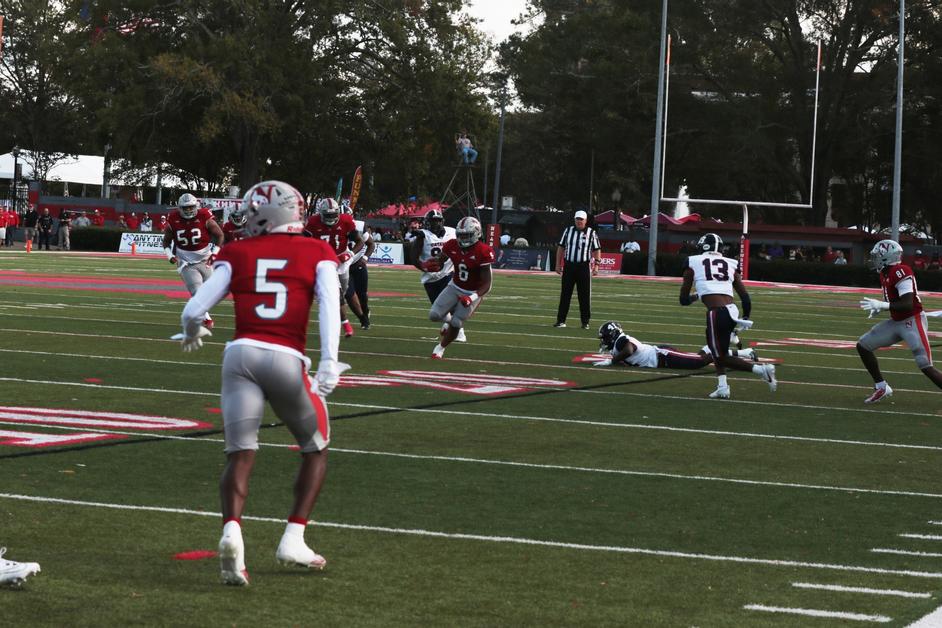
209 294
905 286
328 314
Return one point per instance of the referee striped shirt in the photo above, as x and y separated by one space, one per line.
579 245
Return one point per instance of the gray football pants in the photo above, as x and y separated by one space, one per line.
194 275
250 376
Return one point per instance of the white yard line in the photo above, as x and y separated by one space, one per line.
899 552
810 612
844 589
507 463
613 549
518 417
924 537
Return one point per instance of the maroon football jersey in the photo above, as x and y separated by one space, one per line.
192 234
335 236
231 231
468 263
889 278
272 284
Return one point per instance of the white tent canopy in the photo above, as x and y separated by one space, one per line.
79 169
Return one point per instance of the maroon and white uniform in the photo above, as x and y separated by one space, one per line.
192 246
911 327
273 279
469 264
231 232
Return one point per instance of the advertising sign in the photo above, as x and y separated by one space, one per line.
146 242
391 253
610 264
522 259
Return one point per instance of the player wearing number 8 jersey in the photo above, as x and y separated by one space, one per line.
717 278
273 275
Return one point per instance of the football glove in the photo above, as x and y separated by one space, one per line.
873 306
328 376
192 343
173 260
343 257
605 362
467 299
431 265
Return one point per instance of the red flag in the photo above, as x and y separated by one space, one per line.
355 187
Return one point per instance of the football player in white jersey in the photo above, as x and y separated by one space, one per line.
716 278
427 244
626 350
357 295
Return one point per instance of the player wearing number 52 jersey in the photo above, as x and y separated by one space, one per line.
470 280
716 278
273 275
907 318
191 238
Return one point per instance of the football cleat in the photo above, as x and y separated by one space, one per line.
14 574
208 323
294 552
559 325
767 373
879 393
461 337
438 353
232 560
722 392
347 329
747 354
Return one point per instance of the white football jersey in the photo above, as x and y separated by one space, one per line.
431 247
361 229
713 273
644 356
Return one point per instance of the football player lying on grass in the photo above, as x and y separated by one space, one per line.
628 351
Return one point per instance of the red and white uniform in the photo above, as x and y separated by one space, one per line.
335 236
468 263
191 238
231 232
898 280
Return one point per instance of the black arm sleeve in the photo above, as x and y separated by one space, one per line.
746 306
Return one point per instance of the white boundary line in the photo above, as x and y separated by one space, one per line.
899 552
924 537
810 612
844 589
614 549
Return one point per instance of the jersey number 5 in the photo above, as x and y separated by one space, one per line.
264 286
716 269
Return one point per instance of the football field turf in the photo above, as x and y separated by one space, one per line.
504 486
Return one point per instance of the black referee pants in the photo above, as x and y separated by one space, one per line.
576 275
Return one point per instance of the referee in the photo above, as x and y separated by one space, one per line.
577 248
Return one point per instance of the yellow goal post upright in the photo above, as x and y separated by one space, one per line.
744 238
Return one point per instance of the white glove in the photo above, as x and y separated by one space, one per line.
192 343
873 306
605 362
214 250
328 376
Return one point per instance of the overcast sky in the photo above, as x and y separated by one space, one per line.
496 16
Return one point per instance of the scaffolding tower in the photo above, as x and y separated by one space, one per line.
461 193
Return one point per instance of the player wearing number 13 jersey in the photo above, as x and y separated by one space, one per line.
470 280
273 275
716 278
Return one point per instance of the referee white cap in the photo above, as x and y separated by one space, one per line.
581 214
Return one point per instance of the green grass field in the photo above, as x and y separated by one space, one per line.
600 497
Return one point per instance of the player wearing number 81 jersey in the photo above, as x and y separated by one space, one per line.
717 278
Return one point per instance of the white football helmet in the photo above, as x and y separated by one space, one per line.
345 207
238 217
329 211
468 231
710 242
885 253
189 205
271 204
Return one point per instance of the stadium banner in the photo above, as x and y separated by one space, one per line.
146 242
610 264
391 253
223 205
522 259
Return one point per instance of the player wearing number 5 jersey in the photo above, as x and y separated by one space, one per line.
191 238
470 280
716 278
273 275
907 318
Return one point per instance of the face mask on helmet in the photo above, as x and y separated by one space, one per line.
238 217
608 334
189 206
434 221
885 253
271 205
329 211
709 242
468 232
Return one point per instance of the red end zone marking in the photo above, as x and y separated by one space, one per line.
94 380
195 555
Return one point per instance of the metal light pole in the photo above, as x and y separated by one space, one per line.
16 178
105 175
898 152
658 141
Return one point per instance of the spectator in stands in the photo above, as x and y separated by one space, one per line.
465 149
521 243
919 261
97 219
377 235
505 239
147 225
81 222
829 256
763 253
162 223
133 222
45 223
122 223
65 226
29 223
13 221
840 260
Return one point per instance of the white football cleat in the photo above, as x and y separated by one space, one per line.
747 354
294 552
767 373
14 574
438 353
461 337
232 560
722 392
879 393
